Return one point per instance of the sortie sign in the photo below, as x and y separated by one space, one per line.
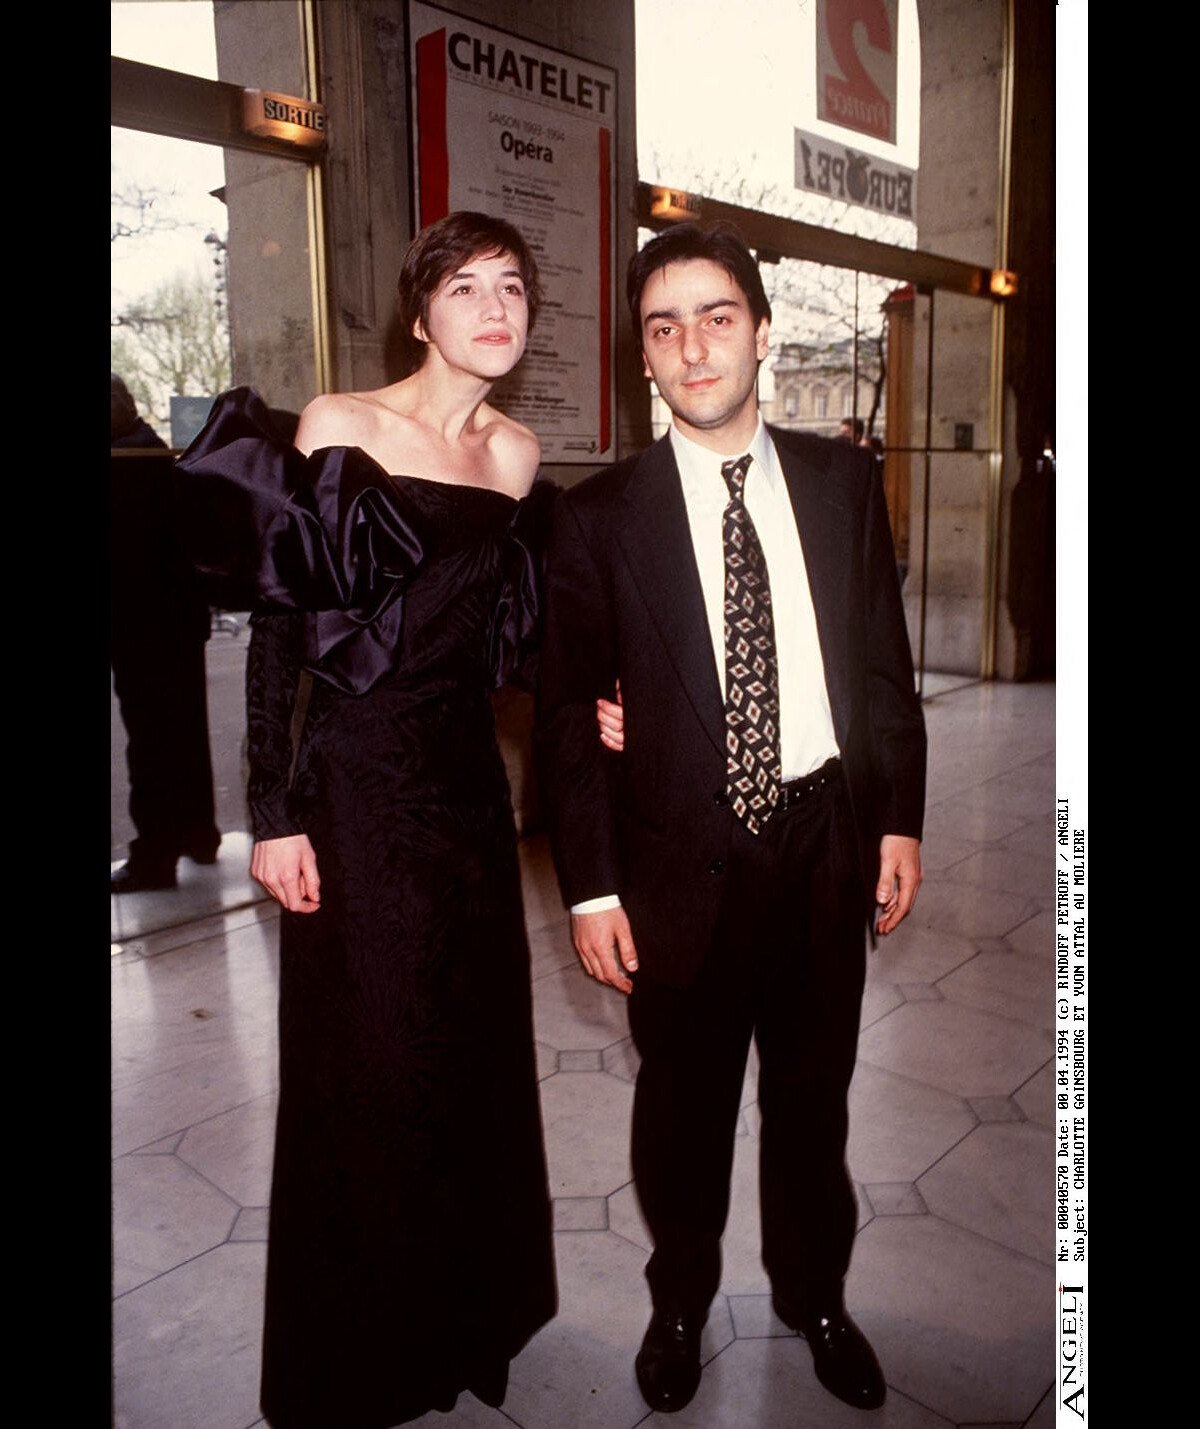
283 116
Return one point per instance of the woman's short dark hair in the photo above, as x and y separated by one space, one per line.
718 242
443 248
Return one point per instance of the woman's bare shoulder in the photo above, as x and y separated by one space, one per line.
339 419
515 451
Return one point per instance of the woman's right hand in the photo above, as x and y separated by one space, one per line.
610 717
287 869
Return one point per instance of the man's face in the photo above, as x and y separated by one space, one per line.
702 347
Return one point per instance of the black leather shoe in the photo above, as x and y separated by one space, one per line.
842 1355
668 1363
139 877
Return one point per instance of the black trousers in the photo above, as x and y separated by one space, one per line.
163 693
787 968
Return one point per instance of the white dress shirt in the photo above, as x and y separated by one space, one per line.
805 722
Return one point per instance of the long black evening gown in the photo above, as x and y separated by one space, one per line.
410 1252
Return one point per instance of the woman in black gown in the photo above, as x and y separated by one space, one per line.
410 1252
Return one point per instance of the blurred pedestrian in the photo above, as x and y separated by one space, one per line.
159 622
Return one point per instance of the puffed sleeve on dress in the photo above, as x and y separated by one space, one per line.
516 624
272 676
329 534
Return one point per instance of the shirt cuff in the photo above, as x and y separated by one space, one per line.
597 905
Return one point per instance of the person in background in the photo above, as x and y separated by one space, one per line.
159 623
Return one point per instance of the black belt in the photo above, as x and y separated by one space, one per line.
791 793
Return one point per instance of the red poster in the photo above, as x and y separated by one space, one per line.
856 65
526 132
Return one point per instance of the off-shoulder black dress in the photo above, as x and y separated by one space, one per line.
410 1252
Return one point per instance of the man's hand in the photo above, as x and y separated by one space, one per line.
611 719
899 879
287 869
604 943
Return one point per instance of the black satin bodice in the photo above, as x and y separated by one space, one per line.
419 594
434 579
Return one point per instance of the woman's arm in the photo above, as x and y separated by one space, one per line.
283 860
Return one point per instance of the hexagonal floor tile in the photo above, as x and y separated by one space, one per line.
621 1059
251 1224
914 953
172 1009
163 1214
754 1318
547 1060
1035 936
580 1213
941 850
973 1054
165 1147
895 1198
586 1120
1043 1416
176 1097
550 949
1036 1097
572 1010
899 1128
993 1182
995 1108
186 1347
968 911
1010 870
962 1325
235 1150
879 998
625 1217
576 1061
578 1370
1034 839
1009 984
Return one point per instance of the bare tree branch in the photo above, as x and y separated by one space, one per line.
133 212
172 342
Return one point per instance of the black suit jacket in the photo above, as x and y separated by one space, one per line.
624 602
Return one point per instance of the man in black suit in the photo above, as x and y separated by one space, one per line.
739 582
158 629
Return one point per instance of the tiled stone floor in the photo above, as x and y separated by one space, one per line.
950 1144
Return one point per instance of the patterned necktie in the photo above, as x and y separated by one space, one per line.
753 769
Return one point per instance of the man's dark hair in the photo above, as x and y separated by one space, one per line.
720 243
856 425
443 248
